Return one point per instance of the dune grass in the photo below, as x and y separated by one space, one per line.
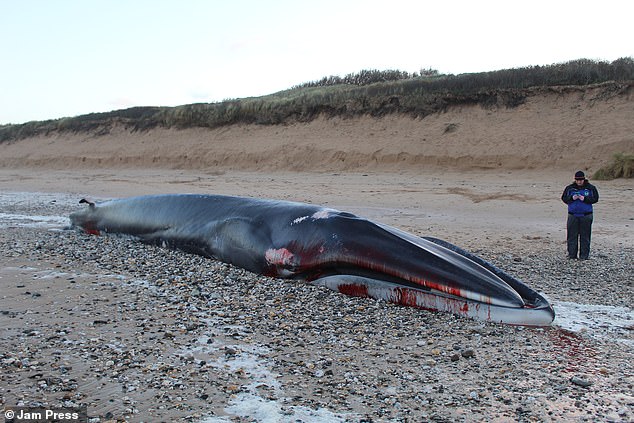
369 92
621 166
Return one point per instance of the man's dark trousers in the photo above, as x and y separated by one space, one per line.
579 231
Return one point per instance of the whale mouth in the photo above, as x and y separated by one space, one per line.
488 293
419 264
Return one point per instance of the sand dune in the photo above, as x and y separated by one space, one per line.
552 130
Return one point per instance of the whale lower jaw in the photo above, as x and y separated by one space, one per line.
538 314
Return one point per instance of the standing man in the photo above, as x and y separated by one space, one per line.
580 196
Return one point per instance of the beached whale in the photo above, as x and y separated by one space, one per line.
326 247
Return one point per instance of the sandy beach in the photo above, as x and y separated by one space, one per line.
139 333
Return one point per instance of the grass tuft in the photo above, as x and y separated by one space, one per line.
621 166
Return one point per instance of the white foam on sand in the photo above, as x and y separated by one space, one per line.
596 321
31 221
28 199
248 402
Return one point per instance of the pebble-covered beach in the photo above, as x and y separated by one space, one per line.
144 334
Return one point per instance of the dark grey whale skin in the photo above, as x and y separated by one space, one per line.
303 241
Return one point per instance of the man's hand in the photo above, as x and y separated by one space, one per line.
580 197
574 197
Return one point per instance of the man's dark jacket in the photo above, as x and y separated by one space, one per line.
578 207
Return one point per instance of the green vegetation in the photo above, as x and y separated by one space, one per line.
369 92
621 166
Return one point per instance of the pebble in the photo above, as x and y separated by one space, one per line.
580 382
468 353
